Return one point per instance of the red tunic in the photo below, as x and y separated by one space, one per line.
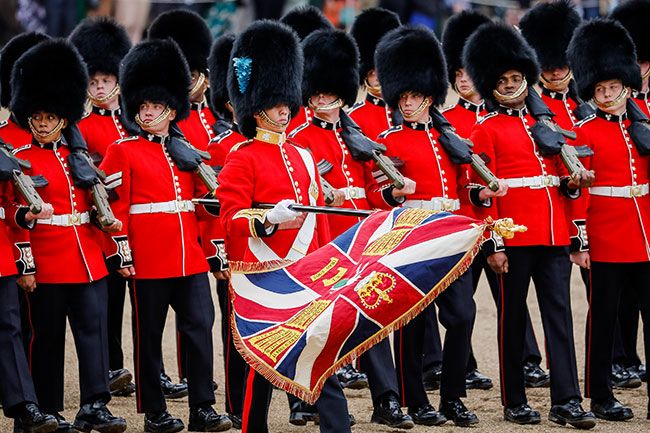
163 244
641 100
324 141
305 114
267 172
197 128
504 138
13 134
9 245
100 128
63 254
372 115
618 228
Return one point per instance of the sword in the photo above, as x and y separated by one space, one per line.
358 213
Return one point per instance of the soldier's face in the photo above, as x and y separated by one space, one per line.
607 91
556 75
372 78
199 92
44 122
323 99
150 111
410 102
102 84
281 114
508 84
463 82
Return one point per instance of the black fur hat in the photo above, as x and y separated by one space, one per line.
50 77
410 59
548 28
305 20
634 15
218 63
601 50
265 70
15 48
331 65
189 31
457 30
494 49
367 30
102 43
156 71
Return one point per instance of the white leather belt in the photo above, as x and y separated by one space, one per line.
67 220
2 213
435 204
534 182
174 206
621 191
353 192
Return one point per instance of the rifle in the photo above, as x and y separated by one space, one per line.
358 213
325 167
189 158
11 169
639 129
584 109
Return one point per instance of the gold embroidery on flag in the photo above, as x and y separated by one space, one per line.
374 289
402 226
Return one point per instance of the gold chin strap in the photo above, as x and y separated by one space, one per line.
266 119
155 122
338 103
373 90
646 74
98 101
556 85
48 136
465 95
620 98
423 106
199 83
501 98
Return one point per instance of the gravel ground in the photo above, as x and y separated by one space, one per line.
485 403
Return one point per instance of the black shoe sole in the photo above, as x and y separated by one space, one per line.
404 425
583 424
116 427
541 384
302 418
481 386
120 382
43 428
175 429
176 395
464 423
357 384
615 418
523 421
430 423
218 427
431 386
630 384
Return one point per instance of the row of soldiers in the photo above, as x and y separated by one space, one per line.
267 107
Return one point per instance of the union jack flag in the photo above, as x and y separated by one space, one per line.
297 323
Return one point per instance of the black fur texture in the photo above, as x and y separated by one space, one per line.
15 48
634 15
369 27
457 30
102 43
218 63
305 20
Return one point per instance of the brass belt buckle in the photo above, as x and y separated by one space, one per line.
73 219
353 192
635 191
181 205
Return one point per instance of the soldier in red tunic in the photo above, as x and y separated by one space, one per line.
158 246
71 279
372 114
102 44
264 87
502 65
602 56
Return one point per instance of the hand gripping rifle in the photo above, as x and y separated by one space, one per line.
11 169
459 149
550 138
189 158
364 149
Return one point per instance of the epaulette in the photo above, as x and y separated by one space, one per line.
241 144
489 115
298 129
21 148
130 138
389 131
221 136
4 123
442 110
356 105
585 120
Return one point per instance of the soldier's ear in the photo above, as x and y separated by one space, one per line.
172 115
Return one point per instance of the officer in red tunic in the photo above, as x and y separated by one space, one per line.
634 16
71 279
603 59
264 86
102 44
330 81
372 114
158 246
411 69
502 65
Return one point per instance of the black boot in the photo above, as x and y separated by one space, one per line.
235 420
172 390
573 414
623 378
535 376
301 413
639 370
454 410
162 422
31 420
427 415
205 418
475 380
611 410
388 412
349 377
119 379
431 377
96 416
522 414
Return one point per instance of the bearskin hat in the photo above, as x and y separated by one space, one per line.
218 63
305 20
331 65
410 59
457 30
15 48
367 30
634 15
494 49
102 43
189 31
602 50
265 70
548 28
50 77
156 71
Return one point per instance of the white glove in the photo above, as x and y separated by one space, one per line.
281 213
